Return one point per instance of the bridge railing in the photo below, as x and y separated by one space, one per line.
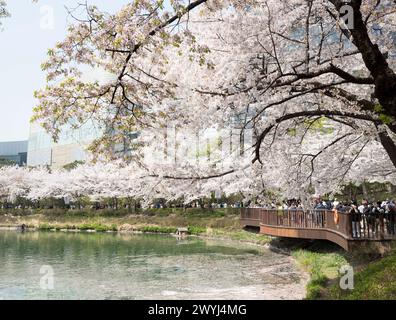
378 226
351 226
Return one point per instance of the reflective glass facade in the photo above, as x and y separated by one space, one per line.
71 146
14 152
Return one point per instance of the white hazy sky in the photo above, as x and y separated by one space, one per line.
23 47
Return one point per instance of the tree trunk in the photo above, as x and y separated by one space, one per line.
375 61
389 146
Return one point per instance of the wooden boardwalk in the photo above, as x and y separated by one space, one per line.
342 228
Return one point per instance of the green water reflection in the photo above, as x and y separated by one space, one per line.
125 266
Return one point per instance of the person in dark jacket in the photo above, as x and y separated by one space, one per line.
356 217
390 215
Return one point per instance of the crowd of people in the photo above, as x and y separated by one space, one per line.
370 216
367 217
292 204
364 208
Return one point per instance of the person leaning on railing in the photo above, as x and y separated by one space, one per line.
376 212
355 218
319 207
390 215
370 216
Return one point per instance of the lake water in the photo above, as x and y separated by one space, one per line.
127 266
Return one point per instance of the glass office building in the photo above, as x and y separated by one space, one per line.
13 153
71 146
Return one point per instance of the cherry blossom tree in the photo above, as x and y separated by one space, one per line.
313 80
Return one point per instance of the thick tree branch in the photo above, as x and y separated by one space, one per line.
384 77
313 113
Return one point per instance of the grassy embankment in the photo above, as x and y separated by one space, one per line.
375 273
375 280
219 223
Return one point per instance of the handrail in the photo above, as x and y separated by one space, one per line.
351 226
